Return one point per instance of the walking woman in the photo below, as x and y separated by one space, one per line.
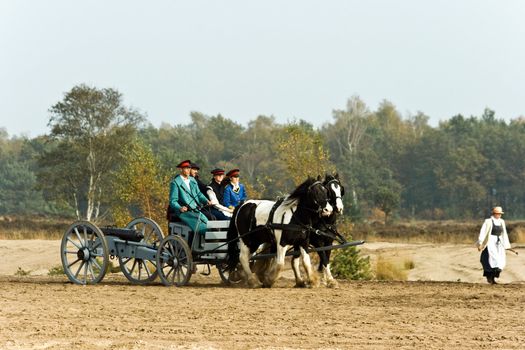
492 242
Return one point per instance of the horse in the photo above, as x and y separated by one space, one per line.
327 235
278 225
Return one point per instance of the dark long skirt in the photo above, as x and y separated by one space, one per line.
488 271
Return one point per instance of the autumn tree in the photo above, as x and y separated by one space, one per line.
301 148
139 186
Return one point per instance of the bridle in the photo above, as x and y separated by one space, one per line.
332 194
309 190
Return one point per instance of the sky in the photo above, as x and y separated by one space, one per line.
296 59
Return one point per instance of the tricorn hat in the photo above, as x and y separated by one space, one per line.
184 164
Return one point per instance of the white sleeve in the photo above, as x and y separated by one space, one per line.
484 231
212 196
215 202
505 236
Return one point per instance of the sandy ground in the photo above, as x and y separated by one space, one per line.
42 312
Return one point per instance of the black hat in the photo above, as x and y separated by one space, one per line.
195 166
217 171
184 164
233 172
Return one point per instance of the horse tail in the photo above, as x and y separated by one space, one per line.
233 241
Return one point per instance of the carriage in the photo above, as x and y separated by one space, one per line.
144 252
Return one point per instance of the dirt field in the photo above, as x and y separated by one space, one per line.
41 312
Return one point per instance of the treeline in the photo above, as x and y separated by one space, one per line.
103 160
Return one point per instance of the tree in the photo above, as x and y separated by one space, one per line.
139 186
302 150
90 128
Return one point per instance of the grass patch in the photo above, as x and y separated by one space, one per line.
56 271
387 270
34 227
21 272
419 231
409 264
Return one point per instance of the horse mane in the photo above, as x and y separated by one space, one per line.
298 193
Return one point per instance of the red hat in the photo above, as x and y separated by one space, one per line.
233 172
217 171
184 164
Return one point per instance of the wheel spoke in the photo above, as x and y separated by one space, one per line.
95 262
133 266
140 268
146 268
85 272
74 243
79 238
91 272
124 262
73 263
79 268
85 235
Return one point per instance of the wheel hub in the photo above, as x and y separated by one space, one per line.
83 254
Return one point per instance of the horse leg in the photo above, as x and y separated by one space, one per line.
244 259
273 272
299 282
313 279
330 280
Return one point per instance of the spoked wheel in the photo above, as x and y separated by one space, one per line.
227 276
140 271
84 253
174 261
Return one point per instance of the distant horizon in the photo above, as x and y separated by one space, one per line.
278 120
293 60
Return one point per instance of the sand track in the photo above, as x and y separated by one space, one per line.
48 313
42 312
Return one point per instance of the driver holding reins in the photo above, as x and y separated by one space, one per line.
186 199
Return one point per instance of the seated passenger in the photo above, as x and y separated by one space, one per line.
194 172
185 199
234 192
215 193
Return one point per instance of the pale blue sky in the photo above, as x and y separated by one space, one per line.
291 59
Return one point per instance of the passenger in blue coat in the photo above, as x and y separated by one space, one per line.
234 193
186 198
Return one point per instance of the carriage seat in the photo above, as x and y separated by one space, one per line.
123 233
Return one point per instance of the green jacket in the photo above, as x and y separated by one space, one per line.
181 196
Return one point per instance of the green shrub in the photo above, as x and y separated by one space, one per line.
347 264
56 271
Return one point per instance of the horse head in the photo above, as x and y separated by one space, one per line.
314 196
335 190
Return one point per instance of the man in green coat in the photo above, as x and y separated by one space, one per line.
186 198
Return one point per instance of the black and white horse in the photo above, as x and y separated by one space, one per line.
329 232
279 225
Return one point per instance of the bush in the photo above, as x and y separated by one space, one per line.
388 271
347 264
